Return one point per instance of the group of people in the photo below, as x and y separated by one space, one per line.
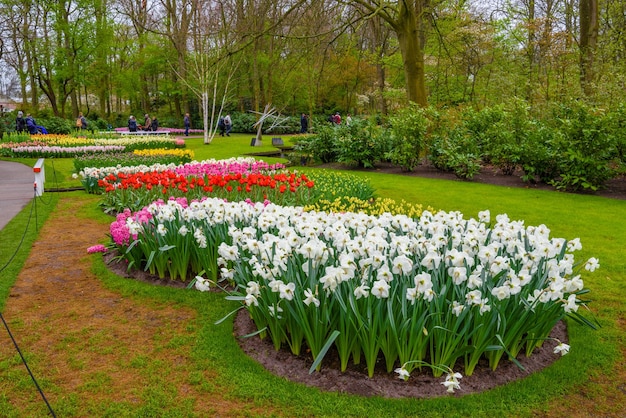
335 119
149 124
225 124
26 124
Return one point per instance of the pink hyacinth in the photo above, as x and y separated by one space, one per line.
97 249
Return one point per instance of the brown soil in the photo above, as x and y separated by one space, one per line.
356 381
59 310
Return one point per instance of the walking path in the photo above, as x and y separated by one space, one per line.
16 189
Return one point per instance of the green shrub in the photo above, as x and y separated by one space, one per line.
56 125
362 143
321 147
538 155
587 151
408 136
456 151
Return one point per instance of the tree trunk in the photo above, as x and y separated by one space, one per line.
588 15
409 30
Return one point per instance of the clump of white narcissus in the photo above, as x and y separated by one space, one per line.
428 291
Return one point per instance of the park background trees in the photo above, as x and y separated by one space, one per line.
110 58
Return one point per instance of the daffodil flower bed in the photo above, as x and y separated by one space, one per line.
184 155
437 291
370 206
340 188
62 140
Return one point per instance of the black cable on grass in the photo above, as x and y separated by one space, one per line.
30 216
33 208
6 326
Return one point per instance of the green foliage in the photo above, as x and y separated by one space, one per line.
615 122
361 143
587 151
56 125
337 185
538 156
242 122
454 149
408 136
320 146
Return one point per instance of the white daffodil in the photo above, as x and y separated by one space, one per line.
570 305
412 294
457 308
253 288
401 265
275 285
275 311
310 298
452 382
380 289
562 348
501 292
161 230
361 291
484 216
458 274
484 307
251 300
402 373
592 264
474 297
429 294
574 245
202 284
286 290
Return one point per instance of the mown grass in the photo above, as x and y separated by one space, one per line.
598 222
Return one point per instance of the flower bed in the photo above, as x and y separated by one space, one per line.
183 155
433 291
62 152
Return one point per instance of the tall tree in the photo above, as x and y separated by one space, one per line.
408 19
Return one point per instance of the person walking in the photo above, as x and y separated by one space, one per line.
20 122
187 123
221 125
228 124
81 122
304 123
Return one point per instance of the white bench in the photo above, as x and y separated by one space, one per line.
166 133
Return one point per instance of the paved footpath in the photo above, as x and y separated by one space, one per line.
16 189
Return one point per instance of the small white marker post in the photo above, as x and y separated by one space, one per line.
40 177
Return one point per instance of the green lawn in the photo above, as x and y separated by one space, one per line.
593 360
